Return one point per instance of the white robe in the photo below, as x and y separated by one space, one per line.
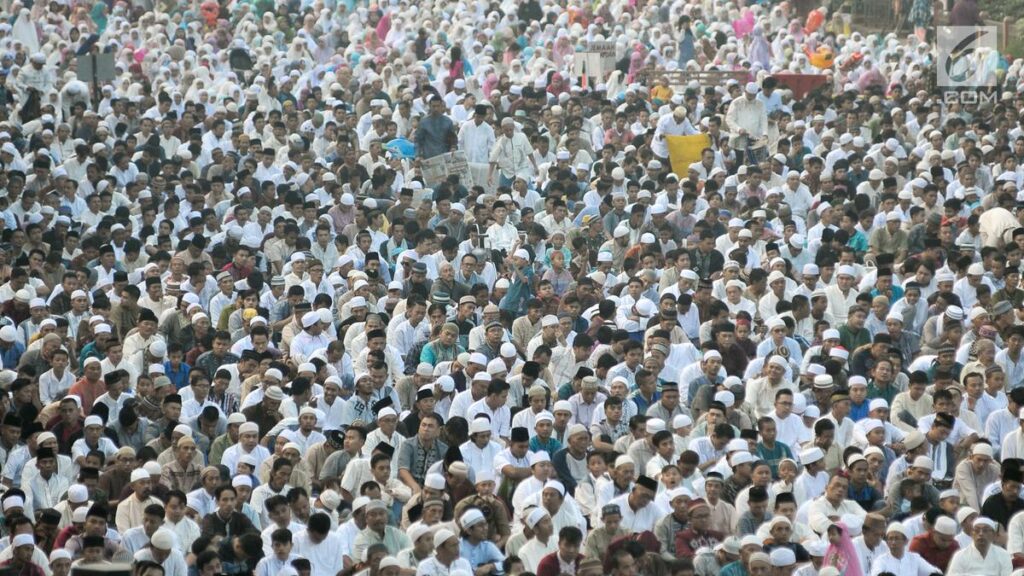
324 557
532 552
911 564
969 562
640 520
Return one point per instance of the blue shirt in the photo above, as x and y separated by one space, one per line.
897 292
433 353
88 351
177 377
642 404
733 569
12 355
858 413
483 553
795 352
858 242
551 446
432 138
771 103
519 292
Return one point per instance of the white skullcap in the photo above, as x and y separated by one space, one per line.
59 554
162 539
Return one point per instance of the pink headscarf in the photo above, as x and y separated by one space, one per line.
489 84
843 556
384 26
556 86
636 63
561 50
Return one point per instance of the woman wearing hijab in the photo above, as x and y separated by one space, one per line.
26 32
636 63
456 68
841 553
760 51
556 85
687 50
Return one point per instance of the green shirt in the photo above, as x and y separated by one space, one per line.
394 539
851 340
733 569
888 393
217 448
774 455
858 242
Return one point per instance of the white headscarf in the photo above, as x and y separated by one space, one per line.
24 30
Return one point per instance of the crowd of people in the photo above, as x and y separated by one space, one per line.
415 288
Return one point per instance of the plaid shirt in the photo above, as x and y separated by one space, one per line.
413 457
176 477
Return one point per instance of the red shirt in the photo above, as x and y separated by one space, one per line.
938 557
88 392
236 272
551 565
29 569
689 541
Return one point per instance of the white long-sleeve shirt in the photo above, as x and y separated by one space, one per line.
839 304
52 387
749 115
640 520
173 565
667 126
867 555
186 530
533 551
911 564
232 454
513 155
969 561
324 557
476 141
820 510
1015 534
45 493
502 237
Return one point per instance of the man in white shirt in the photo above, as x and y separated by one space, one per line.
476 139
747 120
870 544
494 407
185 529
311 339
983 556
790 427
832 504
320 545
511 156
842 295
543 542
163 551
502 234
46 488
248 438
446 558
899 560
675 124
639 510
